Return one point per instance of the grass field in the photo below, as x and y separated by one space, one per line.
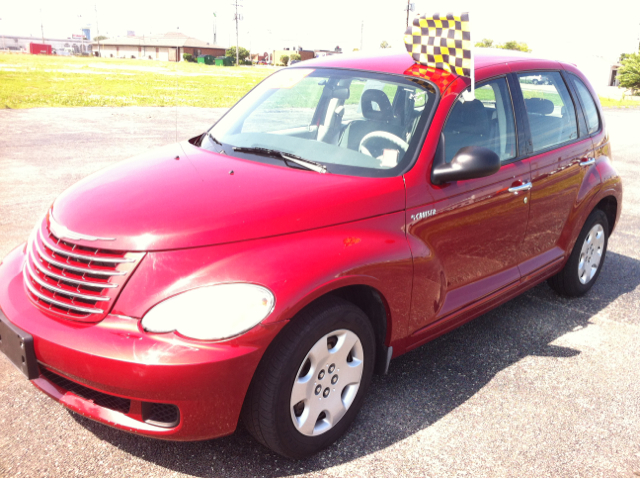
28 81
622 103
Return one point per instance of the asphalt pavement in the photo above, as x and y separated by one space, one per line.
541 386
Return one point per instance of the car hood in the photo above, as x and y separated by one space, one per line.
181 196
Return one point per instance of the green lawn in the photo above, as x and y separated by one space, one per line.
28 81
622 103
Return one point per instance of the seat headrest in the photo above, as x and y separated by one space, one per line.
382 111
470 117
539 106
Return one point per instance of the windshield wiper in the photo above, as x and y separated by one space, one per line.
307 164
214 139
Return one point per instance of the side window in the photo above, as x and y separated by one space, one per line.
550 110
589 106
485 121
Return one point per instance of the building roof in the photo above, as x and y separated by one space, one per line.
169 39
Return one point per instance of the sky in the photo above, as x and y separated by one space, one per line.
549 27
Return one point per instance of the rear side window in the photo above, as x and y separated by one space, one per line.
588 105
550 110
484 121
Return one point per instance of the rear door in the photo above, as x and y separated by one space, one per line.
558 154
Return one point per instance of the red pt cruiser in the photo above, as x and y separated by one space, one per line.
344 212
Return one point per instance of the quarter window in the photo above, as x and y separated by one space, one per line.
484 121
551 114
588 105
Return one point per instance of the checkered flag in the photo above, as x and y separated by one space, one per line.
442 42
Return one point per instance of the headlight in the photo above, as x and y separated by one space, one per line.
211 312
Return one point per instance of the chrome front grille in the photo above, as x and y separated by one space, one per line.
77 282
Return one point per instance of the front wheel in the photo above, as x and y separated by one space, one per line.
587 258
313 379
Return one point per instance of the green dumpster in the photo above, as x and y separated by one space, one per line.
206 59
223 61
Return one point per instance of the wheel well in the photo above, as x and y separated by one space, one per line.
372 303
609 206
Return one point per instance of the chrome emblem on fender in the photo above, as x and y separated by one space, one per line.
62 232
423 215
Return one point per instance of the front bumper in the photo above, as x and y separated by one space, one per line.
206 381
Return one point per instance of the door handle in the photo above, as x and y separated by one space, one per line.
588 162
523 187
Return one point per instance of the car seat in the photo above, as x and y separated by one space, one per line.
378 114
468 125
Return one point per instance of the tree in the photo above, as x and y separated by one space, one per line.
284 59
485 43
295 56
513 45
629 73
356 49
384 44
243 54
99 38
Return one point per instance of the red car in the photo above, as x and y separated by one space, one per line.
341 214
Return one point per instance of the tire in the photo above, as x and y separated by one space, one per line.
304 362
587 258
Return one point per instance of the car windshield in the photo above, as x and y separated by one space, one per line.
350 122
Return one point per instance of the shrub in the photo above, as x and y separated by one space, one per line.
629 73
485 43
513 45
189 57
243 54
284 59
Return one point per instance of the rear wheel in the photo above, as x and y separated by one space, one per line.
313 379
587 258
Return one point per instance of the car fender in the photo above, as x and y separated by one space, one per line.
600 180
298 268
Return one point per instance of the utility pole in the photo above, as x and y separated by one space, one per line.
97 30
408 5
237 18
41 26
215 20
81 38
410 8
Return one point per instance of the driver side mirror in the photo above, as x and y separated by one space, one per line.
468 163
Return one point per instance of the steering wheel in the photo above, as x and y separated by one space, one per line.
385 135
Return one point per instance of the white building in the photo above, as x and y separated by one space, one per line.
60 46
167 47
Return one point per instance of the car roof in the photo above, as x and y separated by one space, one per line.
399 62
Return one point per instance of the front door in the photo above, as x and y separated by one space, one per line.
471 235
